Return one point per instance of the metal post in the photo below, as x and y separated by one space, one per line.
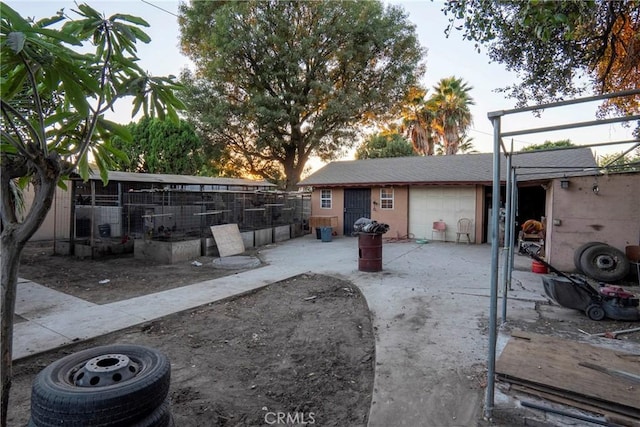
93 217
495 252
507 241
512 221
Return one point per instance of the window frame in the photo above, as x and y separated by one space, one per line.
324 198
385 199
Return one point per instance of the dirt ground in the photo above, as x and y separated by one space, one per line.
303 346
276 350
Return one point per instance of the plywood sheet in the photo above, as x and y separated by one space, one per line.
228 239
554 364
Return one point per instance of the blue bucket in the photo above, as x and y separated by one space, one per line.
326 234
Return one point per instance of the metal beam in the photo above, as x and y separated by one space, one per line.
571 125
630 92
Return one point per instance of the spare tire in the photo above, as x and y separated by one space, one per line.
578 253
114 385
604 263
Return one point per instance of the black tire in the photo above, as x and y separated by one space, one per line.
57 400
578 253
604 263
595 312
161 417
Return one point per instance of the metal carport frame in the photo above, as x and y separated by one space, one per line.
511 180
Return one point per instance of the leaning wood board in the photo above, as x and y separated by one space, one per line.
552 364
228 239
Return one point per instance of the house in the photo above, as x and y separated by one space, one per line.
411 193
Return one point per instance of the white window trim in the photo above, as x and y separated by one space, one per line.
392 198
330 199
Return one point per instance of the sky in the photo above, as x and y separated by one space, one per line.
445 57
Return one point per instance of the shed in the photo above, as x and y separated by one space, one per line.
410 193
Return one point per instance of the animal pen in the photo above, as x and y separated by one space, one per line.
165 208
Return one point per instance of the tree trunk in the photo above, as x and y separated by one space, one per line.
15 235
9 263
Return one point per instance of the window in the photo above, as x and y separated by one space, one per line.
386 198
325 199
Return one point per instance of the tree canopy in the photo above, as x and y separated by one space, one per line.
280 81
439 123
161 146
558 48
621 162
54 95
549 145
384 145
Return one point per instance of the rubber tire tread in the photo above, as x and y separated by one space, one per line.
577 254
161 417
589 312
619 272
55 401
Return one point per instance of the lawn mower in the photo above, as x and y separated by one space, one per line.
572 291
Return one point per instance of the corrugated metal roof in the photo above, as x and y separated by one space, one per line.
461 168
179 179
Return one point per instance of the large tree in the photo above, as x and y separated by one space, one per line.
384 145
452 115
438 124
417 119
161 146
280 81
54 96
558 48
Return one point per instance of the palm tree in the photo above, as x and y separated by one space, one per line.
450 103
417 120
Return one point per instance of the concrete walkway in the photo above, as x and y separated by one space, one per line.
429 307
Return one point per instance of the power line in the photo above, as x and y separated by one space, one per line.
158 7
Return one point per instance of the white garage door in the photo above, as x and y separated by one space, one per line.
449 204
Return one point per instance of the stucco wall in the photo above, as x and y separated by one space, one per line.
397 218
577 215
337 204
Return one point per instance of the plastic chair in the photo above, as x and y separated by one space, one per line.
464 228
633 255
439 227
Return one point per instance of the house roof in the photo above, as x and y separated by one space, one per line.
458 169
179 179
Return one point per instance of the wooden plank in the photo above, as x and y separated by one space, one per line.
554 363
562 396
608 413
228 239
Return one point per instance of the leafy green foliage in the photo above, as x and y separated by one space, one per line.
53 98
549 145
621 162
439 123
380 145
158 146
558 48
280 81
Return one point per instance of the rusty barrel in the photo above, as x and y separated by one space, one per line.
369 252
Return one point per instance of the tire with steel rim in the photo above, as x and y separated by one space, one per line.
577 254
115 385
604 263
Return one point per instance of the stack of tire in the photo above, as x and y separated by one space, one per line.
601 262
115 385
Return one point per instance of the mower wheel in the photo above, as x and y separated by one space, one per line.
595 312
604 263
577 255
